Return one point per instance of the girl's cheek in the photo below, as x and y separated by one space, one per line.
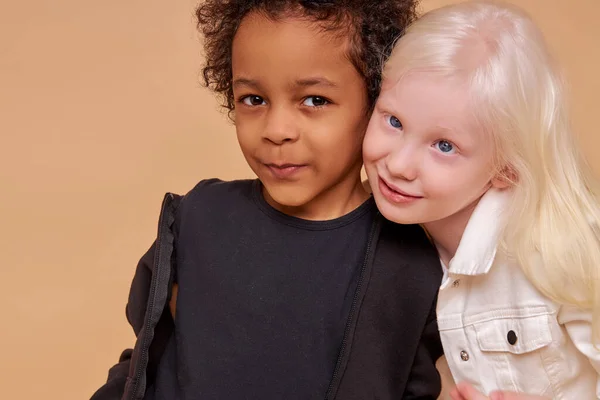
375 146
370 152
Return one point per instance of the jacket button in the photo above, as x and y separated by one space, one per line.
456 283
464 356
511 337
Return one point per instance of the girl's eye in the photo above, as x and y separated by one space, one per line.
394 122
445 147
315 101
253 100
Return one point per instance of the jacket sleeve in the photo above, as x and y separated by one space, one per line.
135 310
578 324
424 381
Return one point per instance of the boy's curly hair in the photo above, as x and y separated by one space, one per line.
371 25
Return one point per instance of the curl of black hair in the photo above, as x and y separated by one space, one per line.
372 27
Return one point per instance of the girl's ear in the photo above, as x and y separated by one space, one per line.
505 178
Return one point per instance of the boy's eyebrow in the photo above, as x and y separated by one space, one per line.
245 82
306 82
316 81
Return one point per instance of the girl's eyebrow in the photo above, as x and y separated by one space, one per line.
443 129
458 136
387 106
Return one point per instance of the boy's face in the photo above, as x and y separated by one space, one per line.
300 115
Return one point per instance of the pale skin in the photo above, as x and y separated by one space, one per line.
422 141
429 163
465 391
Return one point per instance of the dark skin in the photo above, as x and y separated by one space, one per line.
300 116
306 107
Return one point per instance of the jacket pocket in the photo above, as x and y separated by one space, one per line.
518 348
517 335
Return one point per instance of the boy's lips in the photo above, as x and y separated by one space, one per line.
284 170
395 194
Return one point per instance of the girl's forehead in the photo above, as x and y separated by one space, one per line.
430 100
427 88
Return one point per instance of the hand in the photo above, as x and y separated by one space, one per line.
465 391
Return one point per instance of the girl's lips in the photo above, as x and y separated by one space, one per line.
394 194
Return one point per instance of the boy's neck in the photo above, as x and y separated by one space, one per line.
447 233
333 203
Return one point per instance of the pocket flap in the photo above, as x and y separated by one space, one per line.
514 335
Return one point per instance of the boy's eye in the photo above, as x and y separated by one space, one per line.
253 100
315 101
394 122
445 147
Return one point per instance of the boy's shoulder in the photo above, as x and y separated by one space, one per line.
217 189
214 198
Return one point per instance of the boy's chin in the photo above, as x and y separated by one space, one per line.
287 196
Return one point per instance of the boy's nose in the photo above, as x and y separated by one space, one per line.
280 127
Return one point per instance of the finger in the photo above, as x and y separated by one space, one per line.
455 395
469 392
501 395
497 396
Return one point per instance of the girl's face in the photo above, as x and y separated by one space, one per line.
424 156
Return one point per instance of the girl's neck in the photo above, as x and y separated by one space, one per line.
446 233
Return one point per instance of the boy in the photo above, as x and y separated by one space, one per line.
291 285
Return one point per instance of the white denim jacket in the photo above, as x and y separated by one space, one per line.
499 332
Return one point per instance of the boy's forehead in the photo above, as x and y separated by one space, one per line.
260 35
288 47
287 21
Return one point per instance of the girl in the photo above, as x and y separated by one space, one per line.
470 138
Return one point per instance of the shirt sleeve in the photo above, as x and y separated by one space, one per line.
578 324
424 382
114 387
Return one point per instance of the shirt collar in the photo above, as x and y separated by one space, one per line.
479 243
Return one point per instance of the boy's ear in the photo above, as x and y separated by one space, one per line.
505 178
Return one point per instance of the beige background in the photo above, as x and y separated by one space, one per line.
100 114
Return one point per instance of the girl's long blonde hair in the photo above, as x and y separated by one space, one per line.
518 98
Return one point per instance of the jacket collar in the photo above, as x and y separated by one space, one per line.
478 246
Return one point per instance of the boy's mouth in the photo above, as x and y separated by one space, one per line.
284 170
